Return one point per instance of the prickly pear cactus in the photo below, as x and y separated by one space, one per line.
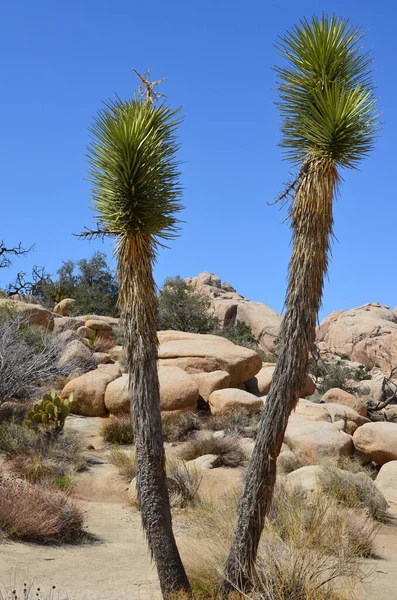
50 412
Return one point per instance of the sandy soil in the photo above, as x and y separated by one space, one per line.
117 565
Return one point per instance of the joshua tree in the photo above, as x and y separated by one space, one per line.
329 122
136 196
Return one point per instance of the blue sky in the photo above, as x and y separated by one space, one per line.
60 60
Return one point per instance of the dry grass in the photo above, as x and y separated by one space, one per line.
126 463
227 448
183 484
118 430
29 591
355 490
305 549
237 421
177 427
32 513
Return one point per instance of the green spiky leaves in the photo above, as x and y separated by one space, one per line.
133 169
327 105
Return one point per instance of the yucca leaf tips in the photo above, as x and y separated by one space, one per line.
133 169
327 104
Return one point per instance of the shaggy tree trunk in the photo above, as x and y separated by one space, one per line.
311 216
139 315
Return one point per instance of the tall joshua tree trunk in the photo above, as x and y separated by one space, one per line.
311 217
139 317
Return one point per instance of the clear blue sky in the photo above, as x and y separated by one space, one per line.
59 60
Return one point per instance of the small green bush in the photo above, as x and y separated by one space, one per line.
241 334
118 430
176 427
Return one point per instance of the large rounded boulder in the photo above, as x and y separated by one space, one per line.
377 441
89 390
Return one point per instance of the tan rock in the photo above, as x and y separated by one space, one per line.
260 384
305 479
287 461
34 314
206 461
224 401
102 358
65 307
352 419
367 334
98 325
338 396
110 320
197 353
386 481
311 411
312 441
209 382
178 390
263 320
117 399
85 332
66 324
77 356
89 390
378 441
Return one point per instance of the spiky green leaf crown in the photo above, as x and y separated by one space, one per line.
326 102
133 169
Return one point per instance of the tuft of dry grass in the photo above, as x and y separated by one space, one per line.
32 513
308 551
237 421
183 484
177 427
355 490
30 591
118 430
227 448
125 462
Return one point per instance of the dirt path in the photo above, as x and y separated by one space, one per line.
117 566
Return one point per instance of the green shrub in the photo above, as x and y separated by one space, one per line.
179 308
226 448
118 430
241 334
50 412
176 427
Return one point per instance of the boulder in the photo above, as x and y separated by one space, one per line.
352 419
117 399
312 441
98 325
228 306
69 335
260 384
386 481
287 461
378 441
85 332
77 356
102 358
66 324
338 396
224 401
305 479
311 411
178 390
34 314
89 390
65 307
209 382
206 461
367 334
197 353
109 320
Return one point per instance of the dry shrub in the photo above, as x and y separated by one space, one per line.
126 463
177 426
32 513
356 490
227 448
183 484
118 430
237 421
308 551
30 591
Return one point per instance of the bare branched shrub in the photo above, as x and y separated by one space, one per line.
308 550
29 356
33 513
177 426
183 484
30 591
226 448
